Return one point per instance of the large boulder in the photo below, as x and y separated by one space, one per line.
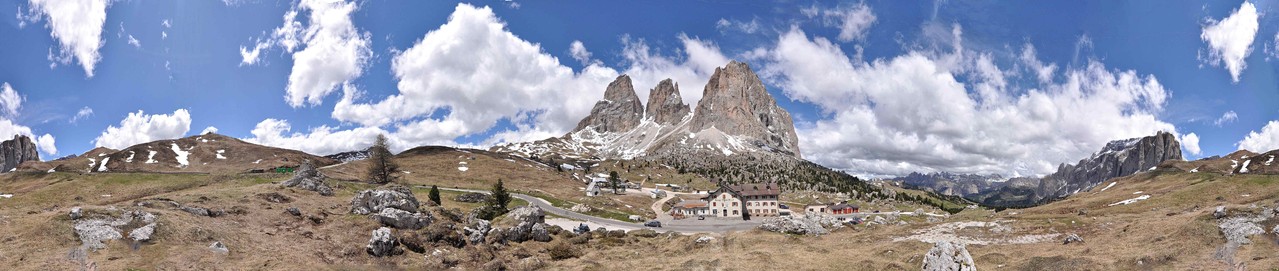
477 231
383 243
308 178
947 256
528 224
374 200
809 224
401 219
1073 239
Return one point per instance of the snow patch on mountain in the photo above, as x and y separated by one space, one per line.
181 155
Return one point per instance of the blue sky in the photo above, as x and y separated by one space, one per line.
1111 70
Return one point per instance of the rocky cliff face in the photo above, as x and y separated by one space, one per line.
736 115
665 106
17 150
1119 158
620 110
736 103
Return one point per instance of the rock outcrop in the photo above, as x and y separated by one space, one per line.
620 110
527 223
373 201
665 106
809 224
1118 159
15 151
308 178
736 103
955 184
96 229
947 256
401 219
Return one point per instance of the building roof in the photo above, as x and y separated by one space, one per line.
842 206
755 189
691 204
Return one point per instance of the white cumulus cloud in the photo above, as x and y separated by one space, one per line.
851 20
478 72
76 25
327 50
911 112
1190 142
10 100
1266 140
579 52
1230 39
137 128
323 140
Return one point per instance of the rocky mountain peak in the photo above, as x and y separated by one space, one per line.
665 105
17 150
736 103
619 111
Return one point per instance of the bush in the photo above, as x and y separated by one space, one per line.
561 251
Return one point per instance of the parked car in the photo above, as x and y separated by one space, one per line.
701 217
654 224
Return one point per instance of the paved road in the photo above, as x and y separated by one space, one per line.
686 226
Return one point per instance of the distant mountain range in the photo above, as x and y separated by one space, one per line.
207 153
1117 159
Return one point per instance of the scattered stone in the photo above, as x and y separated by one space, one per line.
1082 212
294 211
581 208
617 233
308 178
373 201
203 211
704 239
1073 238
401 219
383 243
947 256
472 197
275 197
75 213
218 247
1219 213
143 234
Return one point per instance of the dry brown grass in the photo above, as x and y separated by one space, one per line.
1166 232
